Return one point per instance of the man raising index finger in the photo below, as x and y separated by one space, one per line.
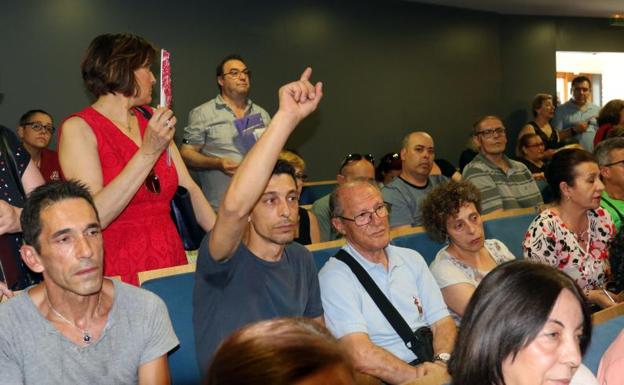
248 269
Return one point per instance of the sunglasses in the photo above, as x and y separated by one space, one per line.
355 157
152 183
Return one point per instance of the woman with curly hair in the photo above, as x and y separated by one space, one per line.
452 212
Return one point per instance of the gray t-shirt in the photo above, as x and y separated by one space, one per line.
406 199
246 289
320 208
33 351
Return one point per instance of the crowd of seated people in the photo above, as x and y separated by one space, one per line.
389 316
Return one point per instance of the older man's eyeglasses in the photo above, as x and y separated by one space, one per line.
489 133
620 162
38 127
237 73
366 217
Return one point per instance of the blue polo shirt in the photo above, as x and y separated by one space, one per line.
407 283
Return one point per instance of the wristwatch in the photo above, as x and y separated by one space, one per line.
442 357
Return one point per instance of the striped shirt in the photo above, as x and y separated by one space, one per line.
499 190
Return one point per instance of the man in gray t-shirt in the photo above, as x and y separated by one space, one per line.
407 191
221 131
247 268
77 327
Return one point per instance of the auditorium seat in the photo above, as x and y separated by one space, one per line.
607 325
419 241
509 230
324 250
175 286
315 190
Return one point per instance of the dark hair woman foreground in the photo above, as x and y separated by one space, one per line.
282 351
526 323
120 152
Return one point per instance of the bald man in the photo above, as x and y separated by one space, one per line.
406 192
355 167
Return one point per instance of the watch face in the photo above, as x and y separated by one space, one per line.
443 357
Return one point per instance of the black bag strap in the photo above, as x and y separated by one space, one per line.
382 302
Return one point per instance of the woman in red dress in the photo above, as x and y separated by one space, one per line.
121 155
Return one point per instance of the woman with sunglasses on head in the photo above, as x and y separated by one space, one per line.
574 234
308 231
452 212
122 150
526 324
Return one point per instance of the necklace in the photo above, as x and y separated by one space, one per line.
86 335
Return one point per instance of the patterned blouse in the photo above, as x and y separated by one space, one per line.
548 240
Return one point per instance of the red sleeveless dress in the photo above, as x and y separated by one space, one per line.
143 236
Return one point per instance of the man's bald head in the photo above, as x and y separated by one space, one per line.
356 170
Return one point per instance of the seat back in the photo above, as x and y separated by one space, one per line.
314 190
608 324
510 231
177 293
420 242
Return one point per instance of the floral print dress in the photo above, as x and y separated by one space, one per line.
548 240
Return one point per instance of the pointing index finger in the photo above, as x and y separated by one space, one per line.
306 74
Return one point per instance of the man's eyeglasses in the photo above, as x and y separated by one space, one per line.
355 157
614 163
152 183
237 73
38 127
491 132
366 217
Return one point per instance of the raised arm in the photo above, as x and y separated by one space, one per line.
78 156
296 101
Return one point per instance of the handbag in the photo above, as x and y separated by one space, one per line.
13 270
420 342
182 212
184 218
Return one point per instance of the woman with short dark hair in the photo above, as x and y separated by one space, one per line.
282 351
452 212
574 234
526 323
122 150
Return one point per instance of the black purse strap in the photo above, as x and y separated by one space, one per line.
382 302
9 158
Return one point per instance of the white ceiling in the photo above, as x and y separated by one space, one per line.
583 8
